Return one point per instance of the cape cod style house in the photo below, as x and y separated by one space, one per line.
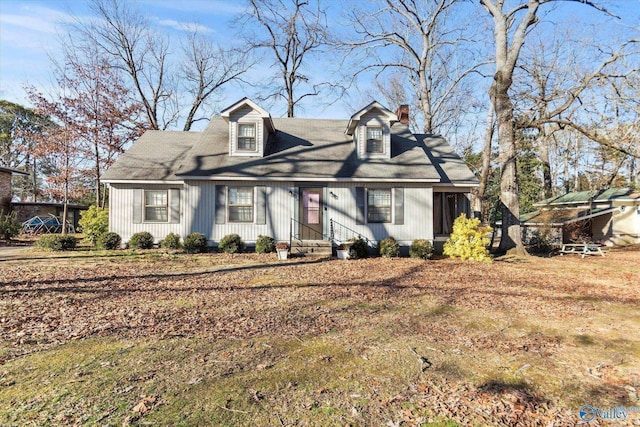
296 180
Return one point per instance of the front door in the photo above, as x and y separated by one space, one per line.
310 214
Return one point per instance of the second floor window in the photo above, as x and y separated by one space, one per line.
374 139
246 137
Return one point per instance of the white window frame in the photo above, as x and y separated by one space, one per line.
240 137
241 205
391 205
156 206
376 140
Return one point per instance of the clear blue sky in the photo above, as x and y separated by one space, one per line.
29 33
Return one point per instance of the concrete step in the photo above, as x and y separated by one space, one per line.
311 247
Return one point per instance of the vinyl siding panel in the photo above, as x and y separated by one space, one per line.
373 118
246 115
418 220
198 203
121 212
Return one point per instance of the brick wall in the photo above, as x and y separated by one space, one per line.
5 191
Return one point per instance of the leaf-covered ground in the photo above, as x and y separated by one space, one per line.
174 339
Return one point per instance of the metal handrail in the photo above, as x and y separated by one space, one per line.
341 233
294 231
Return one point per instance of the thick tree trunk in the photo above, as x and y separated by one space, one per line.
511 239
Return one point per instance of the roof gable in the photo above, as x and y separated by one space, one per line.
375 105
246 102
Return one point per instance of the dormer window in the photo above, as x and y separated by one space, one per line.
374 139
246 137
249 128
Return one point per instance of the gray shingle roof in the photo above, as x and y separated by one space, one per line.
155 156
301 149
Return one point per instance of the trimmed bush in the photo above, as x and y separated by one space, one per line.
94 222
388 247
9 225
57 242
172 241
469 240
231 244
195 243
141 240
359 248
265 244
421 248
110 241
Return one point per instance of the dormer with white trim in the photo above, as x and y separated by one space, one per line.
249 128
371 131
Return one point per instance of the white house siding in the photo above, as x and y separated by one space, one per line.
201 207
373 118
282 198
418 219
121 205
246 115
626 225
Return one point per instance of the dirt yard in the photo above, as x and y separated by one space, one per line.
173 339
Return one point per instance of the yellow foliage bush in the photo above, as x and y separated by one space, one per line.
469 240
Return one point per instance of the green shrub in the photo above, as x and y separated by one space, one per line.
141 240
359 248
265 244
231 244
57 242
421 248
469 240
9 225
388 247
94 222
110 241
195 243
172 241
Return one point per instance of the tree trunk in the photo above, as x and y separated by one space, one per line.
479 203
511 240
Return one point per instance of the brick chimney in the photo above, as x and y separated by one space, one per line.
403 114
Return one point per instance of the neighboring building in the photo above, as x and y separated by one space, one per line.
292 179
611 216
5 187
27 210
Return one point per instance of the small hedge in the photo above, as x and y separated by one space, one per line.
231 244
57 242
359 248
9 225
110 241
388 247
141 240
421 248
172 241
265 244
195 243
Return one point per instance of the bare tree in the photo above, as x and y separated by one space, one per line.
510 30
295 30
206 69
419 39
125 36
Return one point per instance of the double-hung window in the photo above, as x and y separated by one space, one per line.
379 205
374 139
246 137
156 208
240 204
